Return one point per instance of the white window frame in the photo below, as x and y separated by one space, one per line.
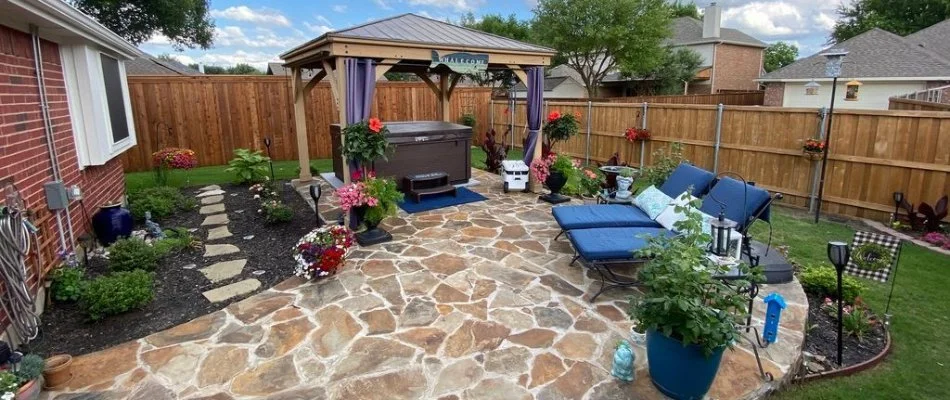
89 108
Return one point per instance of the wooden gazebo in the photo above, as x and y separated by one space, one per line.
404 43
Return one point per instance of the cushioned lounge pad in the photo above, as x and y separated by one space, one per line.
601 216
686 176
602 244
730 196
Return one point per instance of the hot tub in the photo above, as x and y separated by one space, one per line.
419 147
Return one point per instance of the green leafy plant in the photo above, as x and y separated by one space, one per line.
9 383
133 253
67 283
274 211
161 201
176 240
248 166
495 151
365 142
559 127
30 367
683 300
857 321
564 164
663 165
387 196
626 172
116 293
822 281
591 181
467 119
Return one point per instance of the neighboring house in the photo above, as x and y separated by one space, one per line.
555 87
148 65
88 124
732 59
886 65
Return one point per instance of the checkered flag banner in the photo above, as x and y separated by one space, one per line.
873 255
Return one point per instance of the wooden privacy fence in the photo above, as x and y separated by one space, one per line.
917 105
750 98
873 153
214 115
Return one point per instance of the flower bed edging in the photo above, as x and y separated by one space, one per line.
848 371
881 227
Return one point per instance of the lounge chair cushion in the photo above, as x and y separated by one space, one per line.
686 176
603 244
732 195
601 216
652 201
669 217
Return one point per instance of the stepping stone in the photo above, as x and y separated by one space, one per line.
212 209
223 270
235 289
216 219
214 250
210 188
220 232
190 266
211 193
249 237
212 199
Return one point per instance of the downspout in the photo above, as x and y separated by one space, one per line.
48 128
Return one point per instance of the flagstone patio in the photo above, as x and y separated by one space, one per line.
470 302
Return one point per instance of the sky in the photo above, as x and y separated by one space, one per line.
257 31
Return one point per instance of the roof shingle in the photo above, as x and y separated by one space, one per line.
689 30
148 65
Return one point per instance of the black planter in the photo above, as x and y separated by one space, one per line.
555 182
373 234
112 222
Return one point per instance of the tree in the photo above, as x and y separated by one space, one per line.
243 69
185 23
509 27
684 9
677 67
901 17
401 77
597 37
779 54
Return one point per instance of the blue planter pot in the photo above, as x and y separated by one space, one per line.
683 373
111 223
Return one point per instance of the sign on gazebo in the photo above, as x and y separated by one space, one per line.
462 63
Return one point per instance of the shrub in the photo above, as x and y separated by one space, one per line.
663 165
276 212
248 166
9 382
857 321
495 152
67 283
176 240
467 120
823 281
30 367
161 201
131 254
116 293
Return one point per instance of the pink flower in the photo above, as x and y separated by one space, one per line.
375 125
590 174
554 116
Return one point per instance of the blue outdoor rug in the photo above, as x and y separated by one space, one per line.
440 201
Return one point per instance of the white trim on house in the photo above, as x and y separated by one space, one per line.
88 105
869 79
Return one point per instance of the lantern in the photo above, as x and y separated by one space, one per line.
811 88
851 94
839 254
898 199
722 235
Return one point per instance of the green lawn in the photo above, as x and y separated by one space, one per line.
478 156
920 362
215 175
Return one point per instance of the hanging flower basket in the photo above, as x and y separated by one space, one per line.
812 155
813 149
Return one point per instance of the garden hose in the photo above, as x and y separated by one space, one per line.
17 301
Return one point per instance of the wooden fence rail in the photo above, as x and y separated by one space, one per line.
873 153
917 105
215 114
750 98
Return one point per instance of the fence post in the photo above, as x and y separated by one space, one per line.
587 151
643 125
812 196
491 114
719 109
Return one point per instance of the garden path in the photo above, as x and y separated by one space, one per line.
470 302
211 198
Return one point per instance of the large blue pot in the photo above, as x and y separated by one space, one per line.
683 373
112 222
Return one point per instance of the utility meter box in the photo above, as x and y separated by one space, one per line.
515 175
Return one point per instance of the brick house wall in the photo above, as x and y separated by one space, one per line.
736 67
23 150
774 94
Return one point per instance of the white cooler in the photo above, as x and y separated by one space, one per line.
515 175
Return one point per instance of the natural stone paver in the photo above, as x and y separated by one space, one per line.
214 250
220 232
211 209
216 219
209 188
233 290
224 270
468 302
213 192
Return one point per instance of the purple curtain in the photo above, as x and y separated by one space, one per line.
535 109
360 84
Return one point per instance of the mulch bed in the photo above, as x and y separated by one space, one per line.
821 338
178 290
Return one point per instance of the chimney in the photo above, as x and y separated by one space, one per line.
712 18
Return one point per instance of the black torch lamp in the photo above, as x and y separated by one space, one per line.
315 193
839 253
898 199
270 160
722 234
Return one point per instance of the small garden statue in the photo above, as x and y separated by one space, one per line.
623 362
152 229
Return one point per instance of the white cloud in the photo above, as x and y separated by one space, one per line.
460 5
765 19
317 28
261 16
825 21
340 8
384 4
158 39
263 38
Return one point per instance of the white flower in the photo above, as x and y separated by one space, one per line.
257 196
8 396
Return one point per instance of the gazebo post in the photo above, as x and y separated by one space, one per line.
300 91
519 72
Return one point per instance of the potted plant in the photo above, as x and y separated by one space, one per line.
689 317
365 142
591 181
637 134
28 372
554 170
559 128
624 180
172 158
322 252
57 371
813 149
372 200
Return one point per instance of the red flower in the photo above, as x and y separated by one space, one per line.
356 175
553 116
506 110
375 125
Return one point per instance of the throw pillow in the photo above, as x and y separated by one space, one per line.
652 201
669 216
